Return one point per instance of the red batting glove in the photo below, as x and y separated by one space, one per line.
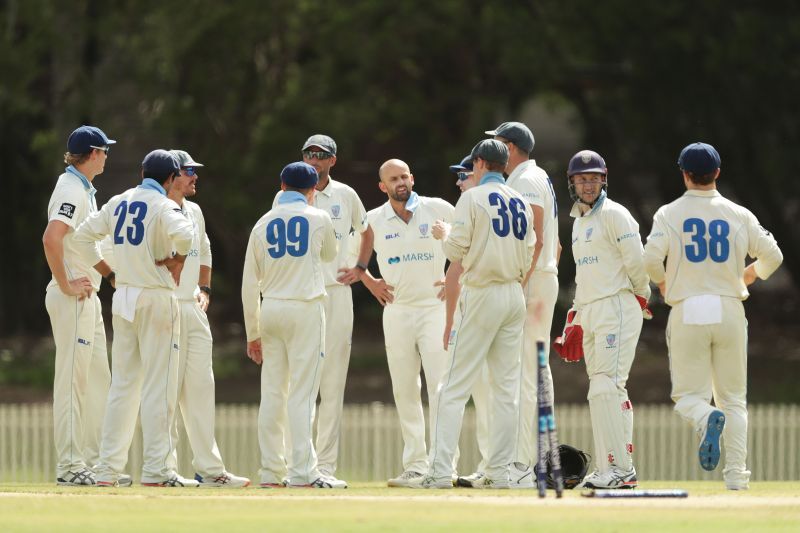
647 314
569 346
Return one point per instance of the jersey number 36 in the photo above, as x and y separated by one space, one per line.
287 237
501 223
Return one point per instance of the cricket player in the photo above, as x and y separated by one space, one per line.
195 371
347 212
493 241
705 239
612 289
541 288
82 376
412 264
146 227
286 331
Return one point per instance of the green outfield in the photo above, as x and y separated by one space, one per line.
768 506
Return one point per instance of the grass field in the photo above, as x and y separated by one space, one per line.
767 506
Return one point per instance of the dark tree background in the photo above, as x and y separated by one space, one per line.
241 84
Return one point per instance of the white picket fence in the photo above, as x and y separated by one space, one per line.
371 445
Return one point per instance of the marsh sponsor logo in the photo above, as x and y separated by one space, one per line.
587 260
193 253
338 235
627 236
656 234
411 258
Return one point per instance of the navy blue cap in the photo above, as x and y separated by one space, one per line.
85 138
490 150
160 164
464 166
516 132
699 159
299 175
323 141
586 162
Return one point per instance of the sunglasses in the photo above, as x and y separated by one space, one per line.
463 176
190 171
101 148
310 154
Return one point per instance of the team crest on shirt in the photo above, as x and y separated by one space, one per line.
611 340
589 234
423 229
336 210
67 210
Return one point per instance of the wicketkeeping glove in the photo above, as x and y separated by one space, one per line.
569 346
647 314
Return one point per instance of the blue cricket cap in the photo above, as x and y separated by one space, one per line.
464 166
85 138
299 175
699 159
516 132
159 164
490 150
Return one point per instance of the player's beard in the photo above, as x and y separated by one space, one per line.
400 197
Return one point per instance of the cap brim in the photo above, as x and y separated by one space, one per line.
457 168
110 141
192 164
491 132
309 145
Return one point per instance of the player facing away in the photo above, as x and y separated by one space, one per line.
412 263
195 372
286 330
705 239
82 377
347 212
492 239
541 288
146 226
611 294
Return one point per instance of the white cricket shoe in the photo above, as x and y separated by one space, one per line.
81 478
496 483
613 478
322 482
475 480
225 479
175 481
116 480
520 476
404 479
430 482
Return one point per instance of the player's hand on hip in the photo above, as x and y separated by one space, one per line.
647 314
254 351
203 299
441 293
750 275
175 266
80 287
348 276
440 230
381 290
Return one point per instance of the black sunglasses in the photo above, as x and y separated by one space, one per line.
101 148
310 154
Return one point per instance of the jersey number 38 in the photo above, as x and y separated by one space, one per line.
716 246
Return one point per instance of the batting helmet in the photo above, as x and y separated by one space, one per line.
574 465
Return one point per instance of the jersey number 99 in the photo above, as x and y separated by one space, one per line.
287 237
501 224
717 246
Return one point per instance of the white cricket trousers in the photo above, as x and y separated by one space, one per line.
611 328
196 390
488 328
338 339
82 377
144 374
711 361
413 337
292 343
540 300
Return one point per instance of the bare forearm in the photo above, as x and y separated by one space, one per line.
205 276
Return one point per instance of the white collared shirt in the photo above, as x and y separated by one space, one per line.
705 239
348 215
608 252
199 254
535 186
409 258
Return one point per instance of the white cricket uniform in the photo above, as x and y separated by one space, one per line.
493 238
609 271
347 212
705 239
411 261
285 264
146 226
541 293
196 389
82 376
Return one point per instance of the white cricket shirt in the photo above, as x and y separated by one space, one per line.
535 186
199 254
705 238
409 258
286 257
608 252
492 234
